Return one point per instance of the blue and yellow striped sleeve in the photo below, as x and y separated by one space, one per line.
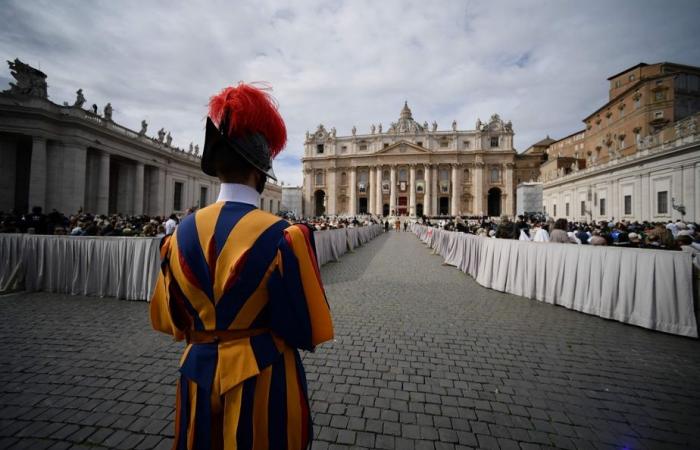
160 309
299 311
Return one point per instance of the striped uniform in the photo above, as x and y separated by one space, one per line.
231 266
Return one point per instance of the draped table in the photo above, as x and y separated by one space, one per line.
649 288
121 267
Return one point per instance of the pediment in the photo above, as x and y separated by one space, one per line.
402 148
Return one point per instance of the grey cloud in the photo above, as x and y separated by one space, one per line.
540 64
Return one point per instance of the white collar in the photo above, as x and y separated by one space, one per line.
234 192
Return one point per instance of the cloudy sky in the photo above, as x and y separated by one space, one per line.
542 65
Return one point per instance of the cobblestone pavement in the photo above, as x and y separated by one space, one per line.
424 358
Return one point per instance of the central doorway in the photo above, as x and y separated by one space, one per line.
385 209
444 206
319 200
403 206
494 202
363 205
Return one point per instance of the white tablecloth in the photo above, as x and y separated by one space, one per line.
649 288
121 267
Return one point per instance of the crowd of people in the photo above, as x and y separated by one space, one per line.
87 224
672 235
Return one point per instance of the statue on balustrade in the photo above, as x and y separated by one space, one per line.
242 288
29 81
79 99
161 135
144 127
108 111
168 139
434 126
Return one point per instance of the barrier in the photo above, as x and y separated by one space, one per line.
121 267
648 288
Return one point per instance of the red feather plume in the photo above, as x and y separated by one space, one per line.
250 110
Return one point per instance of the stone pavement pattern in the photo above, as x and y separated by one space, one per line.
424 358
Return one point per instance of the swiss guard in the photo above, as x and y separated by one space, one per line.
242 288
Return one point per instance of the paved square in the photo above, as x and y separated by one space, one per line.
424 358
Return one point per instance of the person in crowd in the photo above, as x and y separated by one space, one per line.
171 224
386 225
559 234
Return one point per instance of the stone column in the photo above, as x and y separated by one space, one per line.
456 189
73 179
380 195
510 189
138 189
435 190
309 194
412 193
103 185
352 207
331 207
37 175
427 193
372 200
392 195
479 188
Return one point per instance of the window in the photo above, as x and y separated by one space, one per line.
658 96
637 101
601 203
419 143
203 191
555 210
631 77
628 205
466 144
494 142
319 178
495 175
386 145
270 205
363 147
403 174
662 202
444 143
466 176
658 114
343 179
566 208
343 149
262 203
583 207
622 143
319 149
177 196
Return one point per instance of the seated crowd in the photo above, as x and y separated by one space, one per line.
654 235
87 224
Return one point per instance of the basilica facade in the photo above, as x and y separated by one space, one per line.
413 169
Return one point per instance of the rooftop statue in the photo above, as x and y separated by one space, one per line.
373 128
108 111
454 125
144 127
168 139
79 99
161 135
379 129
354 130
434 126
191 148
29 81
196 150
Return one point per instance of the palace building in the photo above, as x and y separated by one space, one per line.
414 169
638 157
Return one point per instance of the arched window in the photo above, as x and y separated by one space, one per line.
385 175
319 178
403 174
363 176
343 179
444 174
495 175
466 176
419 174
